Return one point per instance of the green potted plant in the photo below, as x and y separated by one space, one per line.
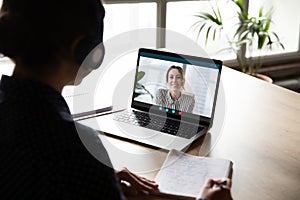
249 32
140 88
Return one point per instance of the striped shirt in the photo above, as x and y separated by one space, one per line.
184 103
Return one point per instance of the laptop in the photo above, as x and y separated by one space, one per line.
159 118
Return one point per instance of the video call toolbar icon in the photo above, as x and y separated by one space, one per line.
173 111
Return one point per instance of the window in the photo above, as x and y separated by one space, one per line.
181 18
178 15
286 22
128 16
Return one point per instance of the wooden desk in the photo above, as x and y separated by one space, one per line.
260 134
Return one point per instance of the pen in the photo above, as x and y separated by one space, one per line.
221 183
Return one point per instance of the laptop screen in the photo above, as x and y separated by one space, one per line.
176 85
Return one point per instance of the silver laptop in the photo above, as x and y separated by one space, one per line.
173 101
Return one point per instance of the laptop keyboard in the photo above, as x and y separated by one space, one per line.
158 123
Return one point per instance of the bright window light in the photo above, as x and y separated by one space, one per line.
120 18
181 17
286 23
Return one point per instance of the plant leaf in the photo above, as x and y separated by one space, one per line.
139 86
140 75
244 35
219 14
281 45
212 18
203 25
207 33
135 94
260 14
278 40
214 35
275 36
144 88
238 30
195 24
240 4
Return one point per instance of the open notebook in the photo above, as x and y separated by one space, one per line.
183 175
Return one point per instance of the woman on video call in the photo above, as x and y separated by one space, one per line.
173 97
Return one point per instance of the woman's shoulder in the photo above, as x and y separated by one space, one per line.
188 96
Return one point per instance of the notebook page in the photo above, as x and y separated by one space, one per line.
183 174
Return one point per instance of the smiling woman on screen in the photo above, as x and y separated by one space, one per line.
174 98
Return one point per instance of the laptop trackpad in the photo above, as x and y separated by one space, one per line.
136 132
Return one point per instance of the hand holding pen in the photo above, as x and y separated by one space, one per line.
216 189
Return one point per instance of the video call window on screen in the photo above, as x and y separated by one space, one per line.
176 85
